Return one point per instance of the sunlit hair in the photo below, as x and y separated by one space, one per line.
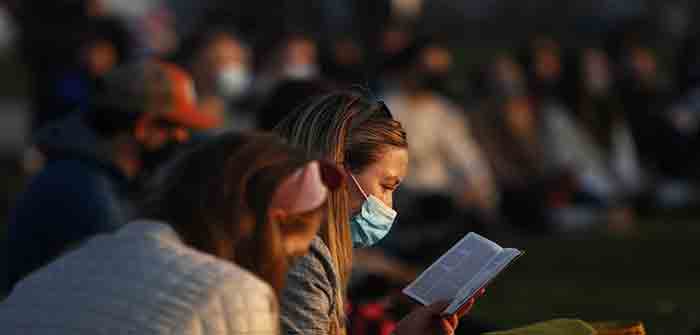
217 196
353 131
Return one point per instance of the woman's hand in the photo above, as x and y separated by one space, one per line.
428 319
468 306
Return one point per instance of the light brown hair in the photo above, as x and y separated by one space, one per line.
217 198
352 131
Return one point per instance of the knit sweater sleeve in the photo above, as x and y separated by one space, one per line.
308 301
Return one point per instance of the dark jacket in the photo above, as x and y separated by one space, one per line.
79 193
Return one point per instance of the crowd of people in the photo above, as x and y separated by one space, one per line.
151 142
224 230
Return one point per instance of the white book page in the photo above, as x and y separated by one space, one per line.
445 278
486 274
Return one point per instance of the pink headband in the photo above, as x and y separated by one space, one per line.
302 191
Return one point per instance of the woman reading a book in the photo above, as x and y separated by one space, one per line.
361 137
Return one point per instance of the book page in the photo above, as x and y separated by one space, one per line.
445 278
481 279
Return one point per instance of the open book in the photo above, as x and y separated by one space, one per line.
461 272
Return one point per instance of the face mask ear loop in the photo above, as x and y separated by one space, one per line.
358 185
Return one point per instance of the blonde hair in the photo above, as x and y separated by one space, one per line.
347 129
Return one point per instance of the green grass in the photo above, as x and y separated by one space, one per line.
652 277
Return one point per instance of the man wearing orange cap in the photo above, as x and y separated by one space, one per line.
92 157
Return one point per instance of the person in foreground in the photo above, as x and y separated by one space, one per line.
208 257
361 136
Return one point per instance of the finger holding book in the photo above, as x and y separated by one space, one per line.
461 274
428 320
470 304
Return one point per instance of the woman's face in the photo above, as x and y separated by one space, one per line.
224 52
380 178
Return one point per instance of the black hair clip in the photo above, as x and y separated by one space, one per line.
378 105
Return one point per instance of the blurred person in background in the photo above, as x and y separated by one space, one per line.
286 97
105 45
594 143
688 64
547 71
436 64
684 114
296 57
448 168
645 94
604 120
662 130
396 47
360 135
509 129
156 30
345 62
94 157
223 74
66 44
505 77
155 24
300 58
207 254
395 38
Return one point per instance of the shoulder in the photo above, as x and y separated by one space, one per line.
319 250
200 292
71 177
175 287
309 298
78 194
316 266
69 190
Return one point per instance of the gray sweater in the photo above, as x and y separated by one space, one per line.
140 280
308 302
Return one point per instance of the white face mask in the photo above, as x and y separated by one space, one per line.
233 82
301 72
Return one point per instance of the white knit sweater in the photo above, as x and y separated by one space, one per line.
140 280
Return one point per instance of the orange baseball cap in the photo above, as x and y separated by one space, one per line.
184 109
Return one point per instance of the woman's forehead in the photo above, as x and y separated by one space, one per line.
392 163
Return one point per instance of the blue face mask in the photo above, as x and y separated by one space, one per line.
372 223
